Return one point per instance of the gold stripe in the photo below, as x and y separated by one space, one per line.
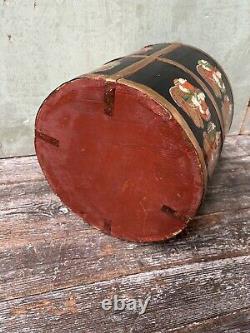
145 61
173 111
137 56
207 91
95 76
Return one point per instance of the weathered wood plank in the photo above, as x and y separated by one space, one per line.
179 296
234 322
43 246
19 169
59 253
45 249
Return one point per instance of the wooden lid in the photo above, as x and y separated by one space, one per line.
119 159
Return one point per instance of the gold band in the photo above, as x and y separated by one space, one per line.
142 63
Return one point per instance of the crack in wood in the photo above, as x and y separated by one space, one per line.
47 138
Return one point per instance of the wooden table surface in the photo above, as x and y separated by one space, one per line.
55 270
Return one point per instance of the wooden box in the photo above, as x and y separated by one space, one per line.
130 147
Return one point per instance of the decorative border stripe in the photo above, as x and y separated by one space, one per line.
145 61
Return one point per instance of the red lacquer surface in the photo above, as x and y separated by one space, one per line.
133 174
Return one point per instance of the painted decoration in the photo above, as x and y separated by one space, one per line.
125 167
214 78
212 75
192 100
212 145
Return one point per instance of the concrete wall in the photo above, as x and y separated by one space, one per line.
46 42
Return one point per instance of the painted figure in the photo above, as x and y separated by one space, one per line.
192 100
212 144
212 75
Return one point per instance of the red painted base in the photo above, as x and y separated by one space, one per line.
130 172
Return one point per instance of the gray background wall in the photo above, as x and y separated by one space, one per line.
46 42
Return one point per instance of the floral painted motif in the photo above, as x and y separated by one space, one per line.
212 144
212 75
214 78
192 100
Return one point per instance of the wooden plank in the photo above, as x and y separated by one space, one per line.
39 235
19 169
237 321
54 253
179 296
54 268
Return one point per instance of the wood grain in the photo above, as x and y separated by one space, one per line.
180 295
55 270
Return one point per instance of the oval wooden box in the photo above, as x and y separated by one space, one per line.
130 146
